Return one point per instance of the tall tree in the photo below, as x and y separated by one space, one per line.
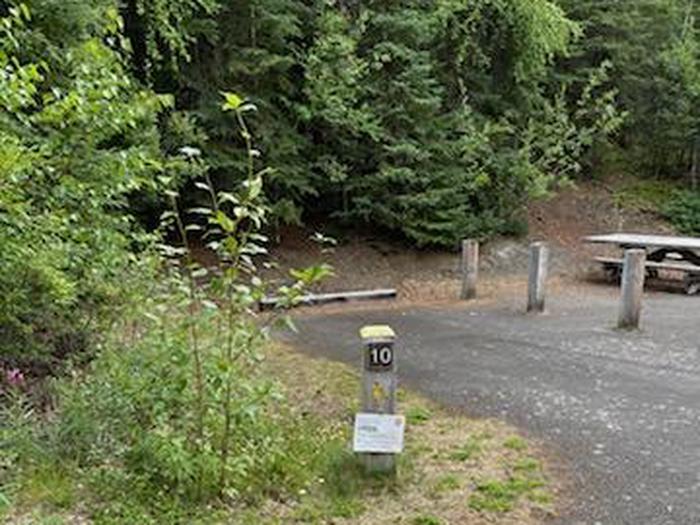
653 48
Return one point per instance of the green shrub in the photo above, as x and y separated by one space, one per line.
136 407
173 412
683 211
76 137
126 433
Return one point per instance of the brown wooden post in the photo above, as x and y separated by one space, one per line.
470 268
537 272
379 384
632 289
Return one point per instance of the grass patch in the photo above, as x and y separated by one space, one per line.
515 443
417 415
49 486
501 496
527 465
445 484
426 520
540 496
470 449
5 502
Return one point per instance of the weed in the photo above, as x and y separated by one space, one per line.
417 415
426 520
420 449
47 485
540 496
345 508
500 496
527 465
515 443
5 502
37 518
471 448
493 496
321 507
445 483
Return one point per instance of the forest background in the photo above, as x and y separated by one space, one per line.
124 124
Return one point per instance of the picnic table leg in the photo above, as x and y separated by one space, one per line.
614 272
692 283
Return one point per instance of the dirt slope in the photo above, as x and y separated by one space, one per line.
367 261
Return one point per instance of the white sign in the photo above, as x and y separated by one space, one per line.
378 433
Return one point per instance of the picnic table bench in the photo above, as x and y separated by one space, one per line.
664 252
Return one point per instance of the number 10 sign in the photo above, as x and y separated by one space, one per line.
379 356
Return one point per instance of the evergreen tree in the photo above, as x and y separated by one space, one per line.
433 119
653 48
439 120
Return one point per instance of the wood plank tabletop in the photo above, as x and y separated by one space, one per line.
646 241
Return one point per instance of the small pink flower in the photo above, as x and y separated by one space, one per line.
14 377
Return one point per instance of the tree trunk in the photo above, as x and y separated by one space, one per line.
694 166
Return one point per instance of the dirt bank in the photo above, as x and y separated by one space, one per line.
363 261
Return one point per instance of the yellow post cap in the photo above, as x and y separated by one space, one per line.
377 331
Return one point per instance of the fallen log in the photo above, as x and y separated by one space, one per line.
267 303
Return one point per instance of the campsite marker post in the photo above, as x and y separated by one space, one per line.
378 435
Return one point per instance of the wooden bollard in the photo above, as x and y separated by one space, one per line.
537 276
378 430
632 289
470 268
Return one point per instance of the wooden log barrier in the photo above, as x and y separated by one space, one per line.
470 268
269 303
632 289
537 277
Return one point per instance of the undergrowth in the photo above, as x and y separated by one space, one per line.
683 210
173 417
681 207
649 195
122 439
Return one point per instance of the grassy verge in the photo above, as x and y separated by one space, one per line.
454 469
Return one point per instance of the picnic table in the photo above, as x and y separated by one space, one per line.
664 252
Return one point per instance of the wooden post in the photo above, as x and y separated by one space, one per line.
537 272
470 268
379 383
632 289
